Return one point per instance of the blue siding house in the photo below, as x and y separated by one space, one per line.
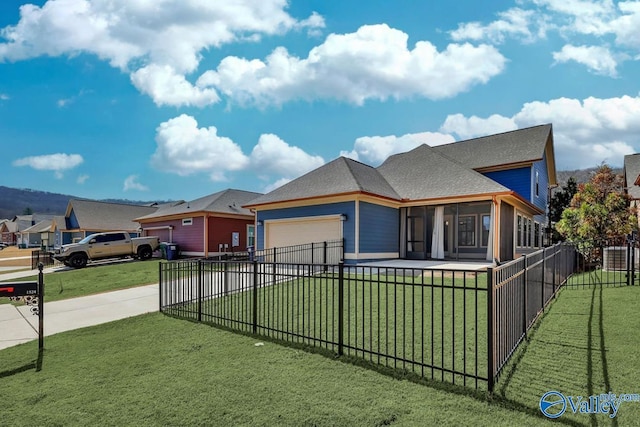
483 198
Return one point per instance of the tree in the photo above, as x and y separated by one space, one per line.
599 210
27 211
560 201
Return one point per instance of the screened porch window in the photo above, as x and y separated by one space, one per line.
486 225
467 230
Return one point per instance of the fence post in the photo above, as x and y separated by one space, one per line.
544 281
554 272
199 290
226 278
525 280
340 308
160 286
324 256
255 297
40 309
312 253
490 332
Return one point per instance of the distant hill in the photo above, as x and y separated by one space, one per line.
580 175
14 201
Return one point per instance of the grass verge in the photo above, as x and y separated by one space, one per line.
96 279
157 370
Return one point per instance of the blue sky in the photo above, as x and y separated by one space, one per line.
177 99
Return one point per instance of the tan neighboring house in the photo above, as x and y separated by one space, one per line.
85 217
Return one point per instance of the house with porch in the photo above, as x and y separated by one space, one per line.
207 226
483 198
631 174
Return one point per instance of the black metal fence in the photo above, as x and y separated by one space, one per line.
607 262
519 292
459 326
328 252
428 322
40 256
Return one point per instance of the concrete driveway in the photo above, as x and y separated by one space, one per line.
18 325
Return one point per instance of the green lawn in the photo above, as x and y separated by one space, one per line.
157 370
428 326
96 279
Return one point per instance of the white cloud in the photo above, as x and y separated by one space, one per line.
376 149
586 132
58 163
132 183
82 179
273 155
279 183
169 32
603 21
166 87
475 126
513 23
598 59
372 63
184 148
134 34
4 97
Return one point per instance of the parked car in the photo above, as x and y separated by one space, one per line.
116 244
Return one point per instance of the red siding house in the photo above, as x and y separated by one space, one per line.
207 226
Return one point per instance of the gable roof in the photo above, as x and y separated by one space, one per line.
340 176
40 227
518 146
59 222
451 170
103 216
228 201
423 173
631 172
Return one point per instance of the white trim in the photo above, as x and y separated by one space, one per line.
187 221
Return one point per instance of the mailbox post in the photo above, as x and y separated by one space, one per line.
32 293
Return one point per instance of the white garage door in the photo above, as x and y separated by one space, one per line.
283 233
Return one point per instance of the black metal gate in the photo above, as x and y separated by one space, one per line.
607 262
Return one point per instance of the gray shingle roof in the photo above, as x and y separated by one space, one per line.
518 146
423 173
228 201
631 172
98 216
342 175
40 227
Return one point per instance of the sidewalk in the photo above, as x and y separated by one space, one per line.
18 325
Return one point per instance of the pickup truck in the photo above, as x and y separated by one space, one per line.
115 244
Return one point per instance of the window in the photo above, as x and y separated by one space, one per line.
527 231
536 235
486 225
537 184
251 239
467 230
187 221
519 235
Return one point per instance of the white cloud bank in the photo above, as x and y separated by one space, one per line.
184 148
604 21
161 45
372 63
586 132
58 163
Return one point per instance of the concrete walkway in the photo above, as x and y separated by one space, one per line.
18 325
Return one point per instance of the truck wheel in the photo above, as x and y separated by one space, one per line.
144 253
78 261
